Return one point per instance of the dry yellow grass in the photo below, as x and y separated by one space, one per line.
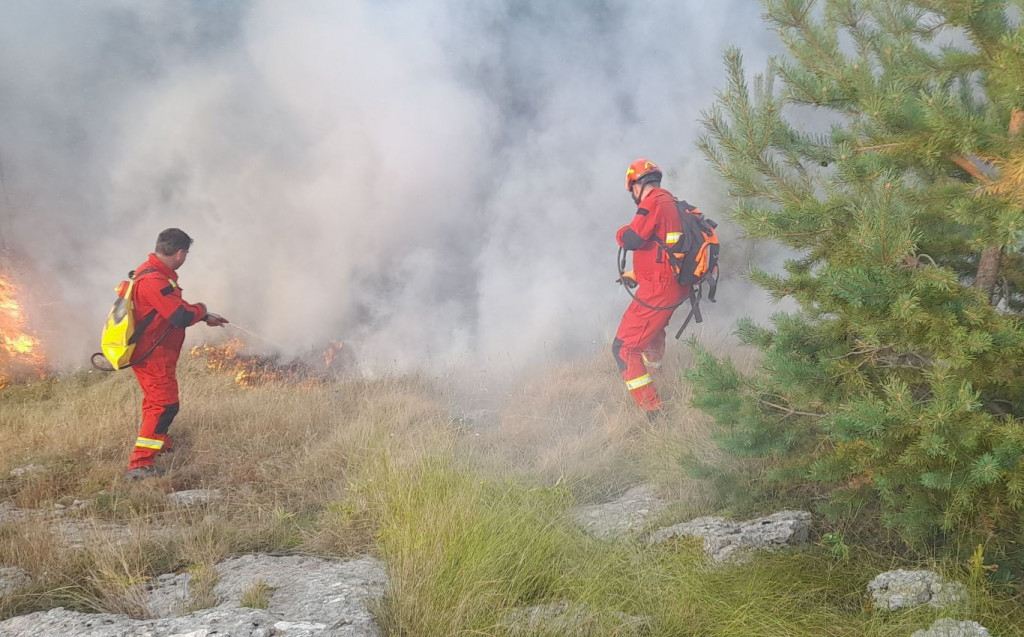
472 520
290 460
296 461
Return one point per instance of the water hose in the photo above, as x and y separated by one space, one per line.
109 368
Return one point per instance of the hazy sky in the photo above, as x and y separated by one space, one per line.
427 180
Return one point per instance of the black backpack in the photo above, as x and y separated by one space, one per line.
694 258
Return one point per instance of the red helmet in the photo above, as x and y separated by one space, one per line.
640 169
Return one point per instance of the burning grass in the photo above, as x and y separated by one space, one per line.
256 370
21 355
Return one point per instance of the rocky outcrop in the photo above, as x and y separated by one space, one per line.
725 541
628 513
306 597
895 590
60 622
952 628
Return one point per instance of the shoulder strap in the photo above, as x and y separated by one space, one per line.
141 326
134 277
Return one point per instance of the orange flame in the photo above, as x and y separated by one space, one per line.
249 371
333 348
253 370
20 354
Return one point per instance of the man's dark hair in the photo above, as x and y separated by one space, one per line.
171 240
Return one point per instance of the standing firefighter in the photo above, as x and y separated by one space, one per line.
161 316
639 343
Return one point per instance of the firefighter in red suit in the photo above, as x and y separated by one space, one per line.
161 316
639 342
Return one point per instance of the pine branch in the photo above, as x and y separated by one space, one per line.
864 149
971 168
789 411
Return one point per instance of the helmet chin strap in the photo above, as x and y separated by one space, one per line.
637 198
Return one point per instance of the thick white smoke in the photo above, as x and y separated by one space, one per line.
432 181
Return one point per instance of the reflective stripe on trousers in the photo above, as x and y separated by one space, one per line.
149 443
638 382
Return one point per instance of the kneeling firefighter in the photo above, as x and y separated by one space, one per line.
639 344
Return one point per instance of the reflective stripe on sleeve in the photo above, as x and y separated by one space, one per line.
638 382
149 443
672 237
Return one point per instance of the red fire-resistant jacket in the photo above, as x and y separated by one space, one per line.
159 306
656 217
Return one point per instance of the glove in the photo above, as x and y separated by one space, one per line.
627 279
214 320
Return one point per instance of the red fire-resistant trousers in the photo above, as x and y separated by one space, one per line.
641 335
156 376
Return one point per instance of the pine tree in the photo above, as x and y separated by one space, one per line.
898 386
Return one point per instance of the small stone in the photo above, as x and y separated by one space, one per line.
193 497
899 589
59 506
27 470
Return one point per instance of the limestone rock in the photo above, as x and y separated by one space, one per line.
27 470
947 627
626 514
59 622
168 595
310 597
309 589
11 579
725 540
894 590
193 497
10 513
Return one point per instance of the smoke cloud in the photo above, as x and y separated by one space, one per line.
433 182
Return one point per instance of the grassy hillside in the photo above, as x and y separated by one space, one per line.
472 518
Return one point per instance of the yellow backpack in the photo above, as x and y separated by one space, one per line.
119 335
